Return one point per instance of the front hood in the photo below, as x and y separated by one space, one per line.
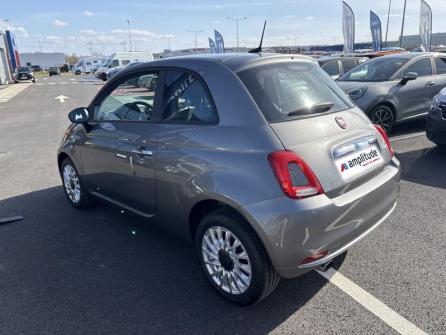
27 73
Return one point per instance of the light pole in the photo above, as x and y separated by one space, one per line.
130 34
402 24
195 32
236 20
124 45
388 18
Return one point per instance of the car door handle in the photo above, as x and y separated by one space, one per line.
430 83
142 152
120 155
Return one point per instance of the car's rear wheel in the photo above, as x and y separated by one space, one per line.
78 72
76 193
233 258
383 115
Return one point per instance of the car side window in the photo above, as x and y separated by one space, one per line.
421 67
440 63
332 68
115 62
348 64
131 100
125 62
186 99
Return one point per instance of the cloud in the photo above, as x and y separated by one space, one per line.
59 23
216 22
88 13
88 32
135 33
53 39
291 16
310 17
19 31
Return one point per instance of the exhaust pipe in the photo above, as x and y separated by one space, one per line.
324 267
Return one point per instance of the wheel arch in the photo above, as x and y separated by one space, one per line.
206 206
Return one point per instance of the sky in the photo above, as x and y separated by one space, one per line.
101 26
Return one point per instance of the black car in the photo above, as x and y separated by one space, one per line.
36 68
436 120
24 73
53 71
337 65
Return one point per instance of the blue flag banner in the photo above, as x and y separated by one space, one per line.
219 42
425 26
211 45
375 28
348 27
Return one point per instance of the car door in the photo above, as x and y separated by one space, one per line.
187 124
414 98
119 152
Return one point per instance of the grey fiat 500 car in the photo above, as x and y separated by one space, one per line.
396 88
261 160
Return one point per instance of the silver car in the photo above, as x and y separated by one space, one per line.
260 160
396 88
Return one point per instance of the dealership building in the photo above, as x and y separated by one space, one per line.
5 75
44 59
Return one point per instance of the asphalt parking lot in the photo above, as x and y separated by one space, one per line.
64 271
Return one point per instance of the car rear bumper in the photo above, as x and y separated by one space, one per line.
294 230
436 128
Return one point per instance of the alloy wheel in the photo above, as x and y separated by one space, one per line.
383 116
226 260
71 183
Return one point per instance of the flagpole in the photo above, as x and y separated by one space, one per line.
402 24
388 18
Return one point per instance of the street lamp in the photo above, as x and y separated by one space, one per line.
130 34
236 20
195 32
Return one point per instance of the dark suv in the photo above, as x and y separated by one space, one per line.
24 73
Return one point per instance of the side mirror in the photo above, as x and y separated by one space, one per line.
408 77
79 115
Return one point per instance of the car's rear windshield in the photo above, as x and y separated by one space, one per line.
288 90
377 69
24 69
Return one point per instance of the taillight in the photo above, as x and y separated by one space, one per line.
295 177
386 138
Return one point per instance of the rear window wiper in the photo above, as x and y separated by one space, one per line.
316 108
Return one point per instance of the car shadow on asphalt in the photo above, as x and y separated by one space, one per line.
425 166
98 271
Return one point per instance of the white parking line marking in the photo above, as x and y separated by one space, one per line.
389 316
11 91
405 137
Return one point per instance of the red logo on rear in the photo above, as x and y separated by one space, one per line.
341 122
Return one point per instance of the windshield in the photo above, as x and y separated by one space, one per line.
24 69
286 91
377 69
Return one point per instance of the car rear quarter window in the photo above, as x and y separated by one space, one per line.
186 99
288 90
440 63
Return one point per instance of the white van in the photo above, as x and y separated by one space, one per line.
122 59
88 64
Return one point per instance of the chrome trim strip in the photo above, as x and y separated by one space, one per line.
330 256
352 146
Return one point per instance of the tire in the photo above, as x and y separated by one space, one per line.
34 80
383 115
76 193
244 288
77 72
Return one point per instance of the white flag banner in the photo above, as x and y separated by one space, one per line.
348 26
425 25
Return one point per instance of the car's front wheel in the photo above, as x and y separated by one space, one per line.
76 193
234 259
383 115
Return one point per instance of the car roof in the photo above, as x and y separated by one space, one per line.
409 55
330 58
235 61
